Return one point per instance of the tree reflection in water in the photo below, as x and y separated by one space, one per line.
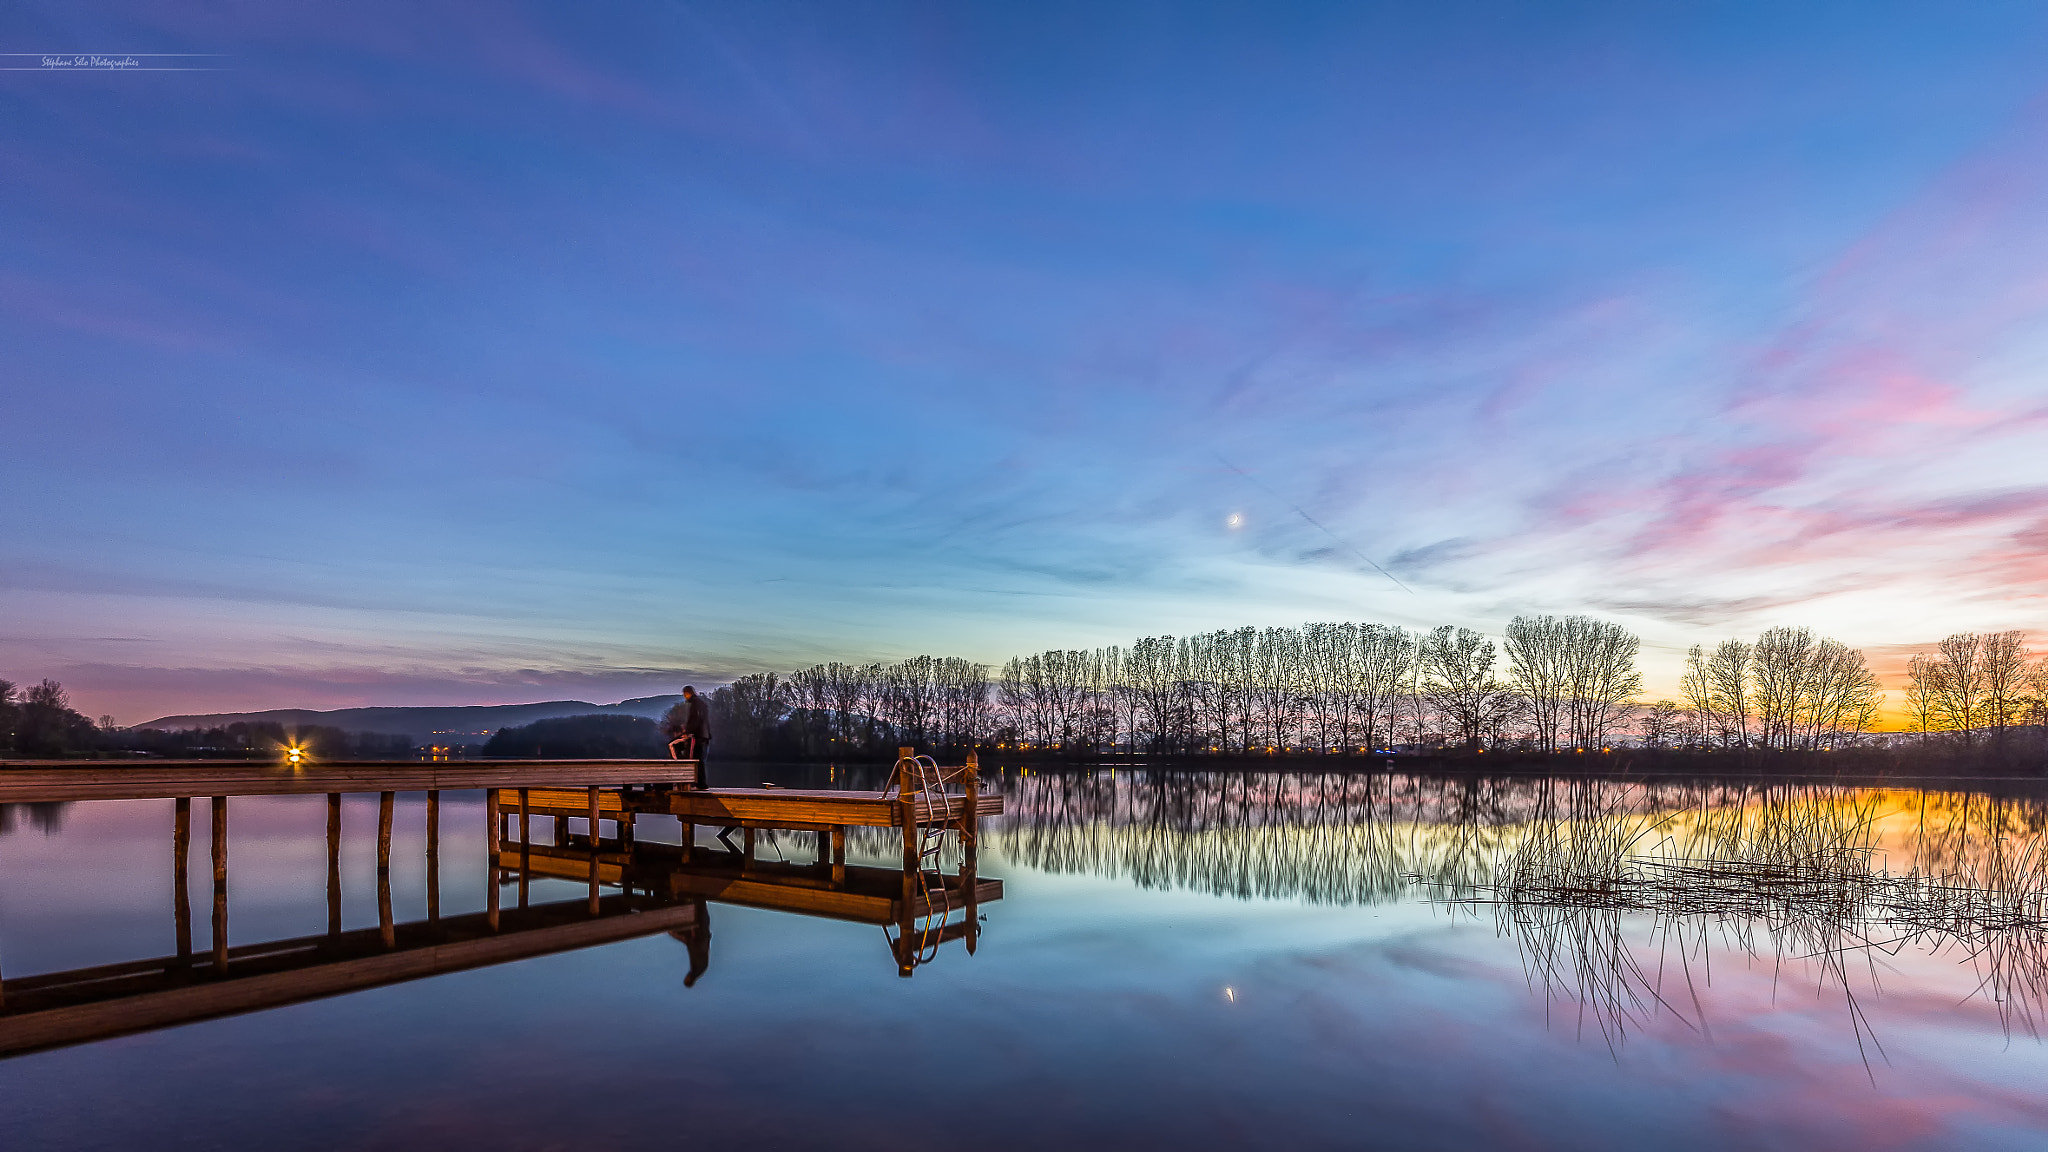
1613 891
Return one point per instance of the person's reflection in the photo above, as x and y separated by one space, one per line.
697 938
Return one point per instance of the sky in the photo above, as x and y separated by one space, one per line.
435 353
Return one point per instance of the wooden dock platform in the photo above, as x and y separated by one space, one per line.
658 887
653 891
919 802
38 781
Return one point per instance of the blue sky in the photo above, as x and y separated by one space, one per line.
438 353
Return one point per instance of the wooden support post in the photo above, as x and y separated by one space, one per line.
625 827
525 842
492 878
497 845
334 863
746 849
384 807
595 793
494 836
970 848
434 856
970 820
385 928
181 883
839 854
220 885
970 881
907 817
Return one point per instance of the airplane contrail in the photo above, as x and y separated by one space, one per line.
1320 526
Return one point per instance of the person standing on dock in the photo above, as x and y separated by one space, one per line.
689 727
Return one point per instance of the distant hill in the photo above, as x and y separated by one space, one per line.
600 737
471 725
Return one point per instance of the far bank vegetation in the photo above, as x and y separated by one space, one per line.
1549 685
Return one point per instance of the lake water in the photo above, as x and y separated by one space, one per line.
1219 960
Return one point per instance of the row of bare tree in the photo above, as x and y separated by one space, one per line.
1324 687
852 710
1552 683
1786 690
1975 687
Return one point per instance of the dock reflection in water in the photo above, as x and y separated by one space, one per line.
634 890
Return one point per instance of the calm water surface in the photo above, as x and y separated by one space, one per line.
1225 960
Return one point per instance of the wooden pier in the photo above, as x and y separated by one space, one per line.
918 801
37 781
655 887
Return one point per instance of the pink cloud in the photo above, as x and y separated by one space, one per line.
1881 436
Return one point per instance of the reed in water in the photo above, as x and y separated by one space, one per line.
1791 875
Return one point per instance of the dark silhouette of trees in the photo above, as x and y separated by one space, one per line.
1717 686
260 740
1976 687
46 725
1458 681
10 715
594 737
1577 675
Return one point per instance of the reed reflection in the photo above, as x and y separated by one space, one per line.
1615 906
1613 892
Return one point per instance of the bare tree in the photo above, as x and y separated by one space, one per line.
1604 679
1959 681
1662 723
1539 666
1840 697
1923 694
1154 674
2006 664
1782 665
1384 657
1730 696
1577 675
963 701
1457 677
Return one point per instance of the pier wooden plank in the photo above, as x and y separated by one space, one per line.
23 782
811 809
